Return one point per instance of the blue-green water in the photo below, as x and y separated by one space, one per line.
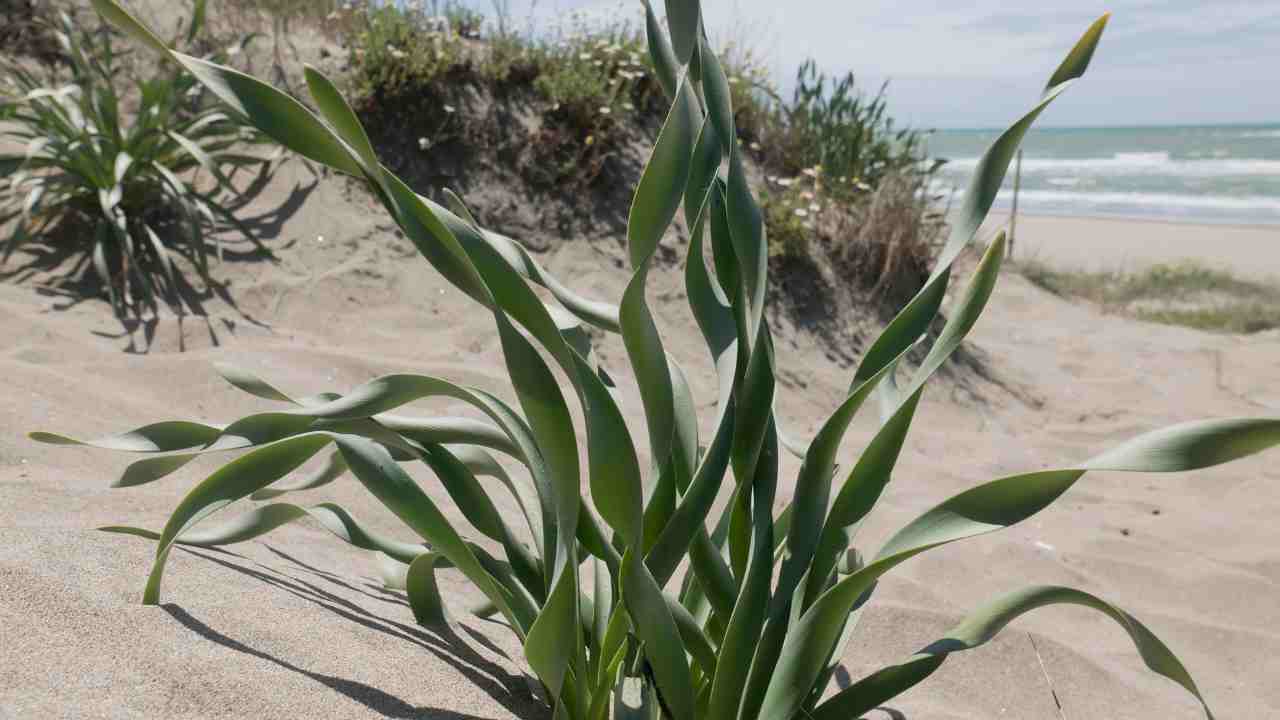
1201 174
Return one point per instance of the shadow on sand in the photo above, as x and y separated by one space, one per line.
59 266
318 587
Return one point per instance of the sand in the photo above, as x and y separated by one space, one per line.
1077 243
296 625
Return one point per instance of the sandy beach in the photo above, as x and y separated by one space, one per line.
297 625
1085 243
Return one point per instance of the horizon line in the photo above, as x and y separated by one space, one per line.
1130 126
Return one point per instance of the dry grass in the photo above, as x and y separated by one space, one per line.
890 237
1188 294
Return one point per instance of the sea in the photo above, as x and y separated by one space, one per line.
1202 174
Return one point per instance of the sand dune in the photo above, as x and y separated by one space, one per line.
295 625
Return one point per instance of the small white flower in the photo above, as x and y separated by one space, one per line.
628 106
810 172
801 212
755 146
814 207
786 182
450 109
605 109
423 143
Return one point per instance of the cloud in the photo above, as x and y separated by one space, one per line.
1166 61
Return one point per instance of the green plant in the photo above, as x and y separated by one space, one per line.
596 79
130 175
840 130
791 218
842 179
733 638
400 51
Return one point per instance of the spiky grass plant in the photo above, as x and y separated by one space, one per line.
755 628
127 175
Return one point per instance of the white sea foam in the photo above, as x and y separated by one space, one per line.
1137 163
1257 206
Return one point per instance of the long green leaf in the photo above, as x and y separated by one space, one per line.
979 628
991 507
265 518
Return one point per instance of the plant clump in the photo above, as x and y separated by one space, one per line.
590 581
128 177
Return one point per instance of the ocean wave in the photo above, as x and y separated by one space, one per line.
1245 205
1137 163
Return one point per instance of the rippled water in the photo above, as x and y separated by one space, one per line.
1201 174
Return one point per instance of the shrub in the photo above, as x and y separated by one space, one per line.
880 241
890 234
842 178
832 125
733 638
402 50
130 176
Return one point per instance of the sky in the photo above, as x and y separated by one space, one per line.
980 63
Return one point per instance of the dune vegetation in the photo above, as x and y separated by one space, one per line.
1187 293
126 168
641 596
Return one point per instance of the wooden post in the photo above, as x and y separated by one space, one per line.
1013 216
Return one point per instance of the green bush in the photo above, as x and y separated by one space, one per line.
848 135
835 162
590 586
594 72
401 51
128 175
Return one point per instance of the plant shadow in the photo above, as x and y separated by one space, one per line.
844 680
507 689
58 264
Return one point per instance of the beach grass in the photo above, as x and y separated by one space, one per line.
1186 293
